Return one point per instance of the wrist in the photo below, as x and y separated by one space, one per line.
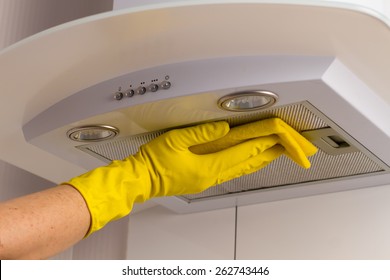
110 191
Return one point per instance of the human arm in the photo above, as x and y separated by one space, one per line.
42 224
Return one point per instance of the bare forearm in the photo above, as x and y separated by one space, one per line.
42 224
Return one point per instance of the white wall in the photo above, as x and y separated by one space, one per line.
345 225
16 182
22 18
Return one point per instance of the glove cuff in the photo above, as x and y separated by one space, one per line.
110 191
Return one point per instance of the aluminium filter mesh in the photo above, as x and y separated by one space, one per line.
280 172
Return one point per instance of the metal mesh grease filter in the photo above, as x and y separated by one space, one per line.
281 172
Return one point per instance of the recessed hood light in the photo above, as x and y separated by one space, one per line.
92 133
248 101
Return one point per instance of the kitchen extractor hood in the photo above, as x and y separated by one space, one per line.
318 96
140 72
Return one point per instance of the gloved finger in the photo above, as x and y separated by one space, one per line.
242 152
305 145
294 150
297 147
251 165
185 137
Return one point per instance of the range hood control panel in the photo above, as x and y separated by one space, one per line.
132 90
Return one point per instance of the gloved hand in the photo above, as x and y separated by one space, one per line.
297 147
165 166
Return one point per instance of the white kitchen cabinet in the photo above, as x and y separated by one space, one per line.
108 243
345 225
158 233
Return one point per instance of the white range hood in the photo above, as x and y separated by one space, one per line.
147 69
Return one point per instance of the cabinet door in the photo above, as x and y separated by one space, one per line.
109 243
158 233
345 225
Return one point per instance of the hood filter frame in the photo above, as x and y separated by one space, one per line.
281 172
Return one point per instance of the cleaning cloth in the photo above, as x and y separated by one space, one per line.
296 146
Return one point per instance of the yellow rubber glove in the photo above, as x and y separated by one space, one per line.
165 167
297 147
